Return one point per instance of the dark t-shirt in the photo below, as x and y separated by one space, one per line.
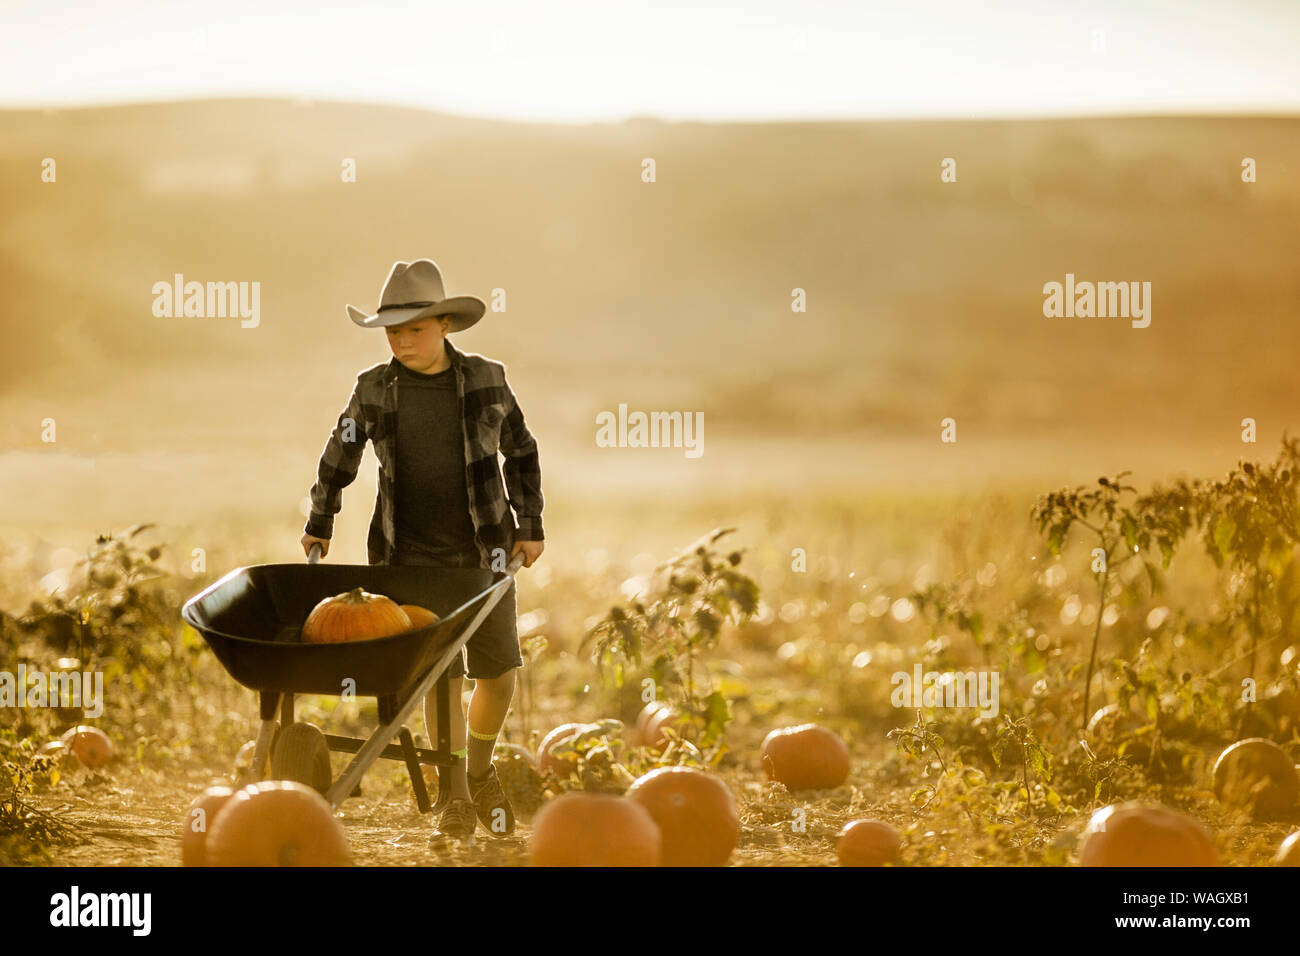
431 510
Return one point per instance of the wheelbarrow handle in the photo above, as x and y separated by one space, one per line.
370 750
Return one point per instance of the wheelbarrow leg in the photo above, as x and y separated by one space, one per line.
413 768
444 716
388 706
268 704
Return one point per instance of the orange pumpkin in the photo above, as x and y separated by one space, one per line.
198 821
419 616
867 843
1288 854
1137 834
594 829
652 720
59 753
1257 776
277 823
89 745
547 762
806 757
695 813
643 718
355 615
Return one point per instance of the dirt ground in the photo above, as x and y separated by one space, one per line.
132 816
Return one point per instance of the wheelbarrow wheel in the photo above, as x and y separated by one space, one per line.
302 754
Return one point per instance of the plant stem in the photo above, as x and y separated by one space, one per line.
523 711
942 766
1096 636
690 685
1254 642
1254 631
1024 770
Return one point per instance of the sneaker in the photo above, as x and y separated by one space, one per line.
457 820
491 803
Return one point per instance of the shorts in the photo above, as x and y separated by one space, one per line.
493 649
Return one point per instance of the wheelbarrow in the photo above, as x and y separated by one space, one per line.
252 619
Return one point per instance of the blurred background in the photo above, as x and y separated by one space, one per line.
794 148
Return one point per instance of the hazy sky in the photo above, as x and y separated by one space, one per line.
603 60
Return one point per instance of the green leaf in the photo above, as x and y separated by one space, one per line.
1037 757
1056 538
1153 576
716 715
1225 532
1130 530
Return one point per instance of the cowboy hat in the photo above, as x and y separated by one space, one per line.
413 290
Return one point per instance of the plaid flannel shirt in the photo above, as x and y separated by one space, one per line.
491 422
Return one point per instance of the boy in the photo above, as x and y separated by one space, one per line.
442 503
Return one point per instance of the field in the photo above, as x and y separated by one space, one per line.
820 647
872 546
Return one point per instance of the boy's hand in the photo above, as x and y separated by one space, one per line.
308 541
532 550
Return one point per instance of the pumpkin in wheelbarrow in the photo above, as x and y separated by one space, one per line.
420 616
355 615
277 823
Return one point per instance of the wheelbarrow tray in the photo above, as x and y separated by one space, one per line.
252 619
